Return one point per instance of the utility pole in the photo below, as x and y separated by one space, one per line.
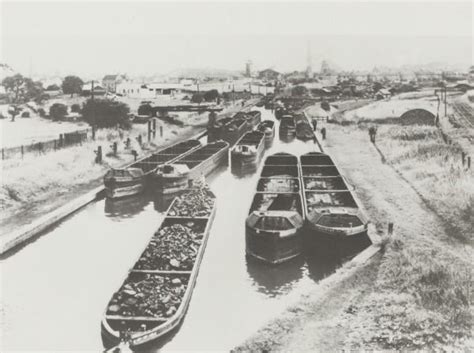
92 90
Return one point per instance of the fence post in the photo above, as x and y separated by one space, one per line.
463 156
154 127
390 228
149 130
469 162
22 152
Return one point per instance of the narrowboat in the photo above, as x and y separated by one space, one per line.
181 172
245 156
268 128
254 117
131 180
279 112
232 129
287 130
274 224
156 292
331 211
304 131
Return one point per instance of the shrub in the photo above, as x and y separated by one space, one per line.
58 111
25 114
211 95
197 98
41 112
75 108
299 91
145 109
104 113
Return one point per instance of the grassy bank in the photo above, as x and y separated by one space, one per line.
33 185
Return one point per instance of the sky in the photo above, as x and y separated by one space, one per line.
89 38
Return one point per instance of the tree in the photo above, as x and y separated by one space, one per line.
58 111
14 84
299 91
211 95
103 113
34 91
197 98
71 85
53 87
377 86
75 108
145 109
14 110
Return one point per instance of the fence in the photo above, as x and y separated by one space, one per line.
42 147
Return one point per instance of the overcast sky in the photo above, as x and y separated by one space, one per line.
149 37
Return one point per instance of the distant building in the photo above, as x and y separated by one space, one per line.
110 82
325 69
383 94
248 68
88 87
269 75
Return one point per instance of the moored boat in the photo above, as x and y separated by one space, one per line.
268 128
287 130
177 175
131 180
156 292
275 220
331 211
245 156
254 117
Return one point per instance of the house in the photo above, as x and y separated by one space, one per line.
383 93
269 75
88 87
110 82
167 89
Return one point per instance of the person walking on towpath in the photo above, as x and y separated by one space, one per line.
323 132
315 124
372 133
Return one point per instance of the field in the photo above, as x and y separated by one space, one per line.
418 293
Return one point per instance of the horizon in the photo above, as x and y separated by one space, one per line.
159 38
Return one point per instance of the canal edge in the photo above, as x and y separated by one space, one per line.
16 238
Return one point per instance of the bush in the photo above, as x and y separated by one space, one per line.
145 109
299 91
75 108
197 98
41 112
58 111
211 95
25 114
103 113
53 87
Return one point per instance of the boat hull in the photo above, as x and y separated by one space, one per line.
142 339
124 191
272 247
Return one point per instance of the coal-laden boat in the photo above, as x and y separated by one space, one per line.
180 173
274 224
232 129
331 211
247 153
268 128
215 129
304 131
254 117
156 292
287 130
131 180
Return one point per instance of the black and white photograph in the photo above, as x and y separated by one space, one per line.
236 176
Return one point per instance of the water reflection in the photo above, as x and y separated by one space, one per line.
126 207
274 281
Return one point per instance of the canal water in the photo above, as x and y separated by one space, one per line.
55 289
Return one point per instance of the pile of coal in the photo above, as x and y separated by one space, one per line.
195 203
279 185
149 295
173 248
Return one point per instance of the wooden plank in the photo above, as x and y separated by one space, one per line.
158 272
135 318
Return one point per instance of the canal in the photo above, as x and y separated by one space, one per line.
55 289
